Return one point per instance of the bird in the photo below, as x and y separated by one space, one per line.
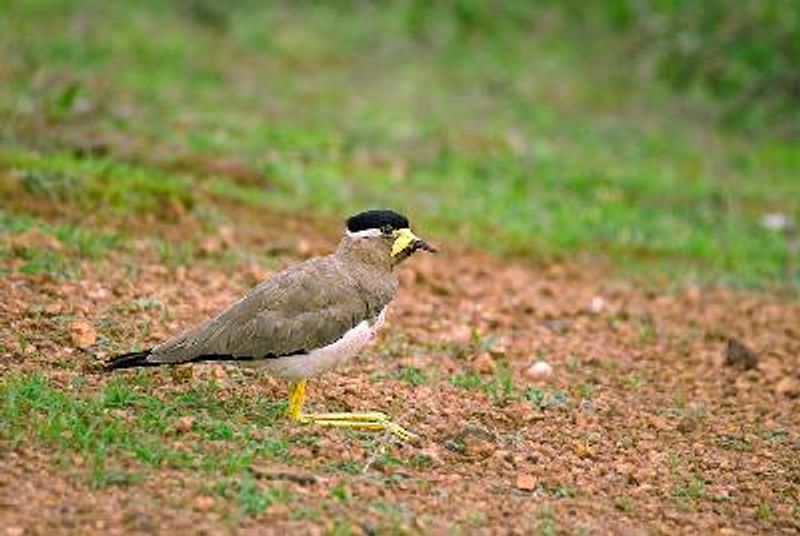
307 319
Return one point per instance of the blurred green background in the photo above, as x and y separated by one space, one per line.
659 135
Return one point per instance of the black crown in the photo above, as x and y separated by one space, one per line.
376 219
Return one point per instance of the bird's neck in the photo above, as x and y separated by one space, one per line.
365 255
371 270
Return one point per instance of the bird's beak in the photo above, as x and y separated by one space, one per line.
408 242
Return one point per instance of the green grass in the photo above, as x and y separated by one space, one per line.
84 242
251 496
623 503
499 387
51 249
506 134
120 434
466 380
412 375
348 467
546 524
545 399
122 423
690 491
92 183
764 512
339 493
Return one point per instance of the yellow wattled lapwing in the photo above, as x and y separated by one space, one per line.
307 319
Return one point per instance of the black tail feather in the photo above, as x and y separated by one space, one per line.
139 359
131 360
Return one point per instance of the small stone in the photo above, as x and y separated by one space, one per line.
203 503
184 424
776 221
218 372
739 355
520 411
526 482
448 365
35 239
210 245
255 273
597 305
82 334
687 425
484 364
583 450
473 442
557 325
54 308
119 413
658 422
98 293
788 386
304 248
460 333
278 510
539 371
432 454
504 455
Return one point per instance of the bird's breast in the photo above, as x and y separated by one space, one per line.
320 360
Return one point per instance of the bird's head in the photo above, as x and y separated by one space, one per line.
382 236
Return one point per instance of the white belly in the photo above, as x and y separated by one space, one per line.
314 363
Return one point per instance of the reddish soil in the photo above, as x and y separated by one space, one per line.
656 433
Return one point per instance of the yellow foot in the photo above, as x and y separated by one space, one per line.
373 421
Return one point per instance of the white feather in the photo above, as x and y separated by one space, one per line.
366 233
314 363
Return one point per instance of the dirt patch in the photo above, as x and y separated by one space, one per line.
645 424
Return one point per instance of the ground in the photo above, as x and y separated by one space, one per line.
158 159
642 427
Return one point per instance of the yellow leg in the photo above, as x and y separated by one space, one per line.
372 420
297 393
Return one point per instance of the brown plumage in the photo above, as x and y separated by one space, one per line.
307 307
307 319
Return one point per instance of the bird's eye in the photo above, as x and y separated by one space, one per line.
386 230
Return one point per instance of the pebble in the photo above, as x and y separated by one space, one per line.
539 371
738 355
184 424
82 334
526 482
597 305
203 503
484 364
788 386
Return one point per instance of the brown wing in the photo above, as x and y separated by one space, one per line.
306 307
